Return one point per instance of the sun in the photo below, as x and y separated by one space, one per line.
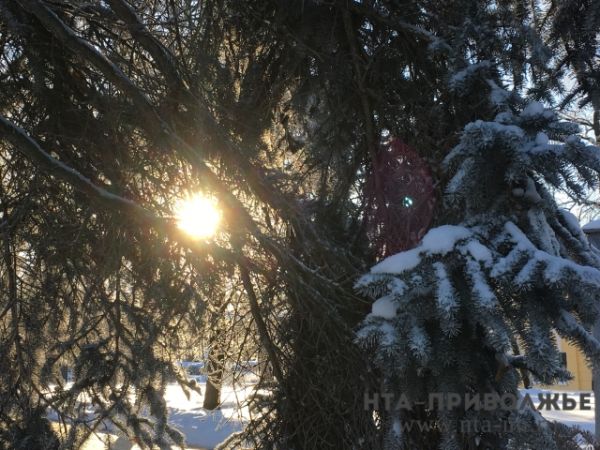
198 216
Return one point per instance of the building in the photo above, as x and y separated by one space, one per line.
574 360
578 366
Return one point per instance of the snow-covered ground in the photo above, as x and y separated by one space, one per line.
202 428
581 418
205 429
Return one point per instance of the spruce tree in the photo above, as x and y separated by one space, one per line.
281 110
486 294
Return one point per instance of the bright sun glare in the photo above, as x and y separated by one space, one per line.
198 216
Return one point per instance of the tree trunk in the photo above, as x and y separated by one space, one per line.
212 393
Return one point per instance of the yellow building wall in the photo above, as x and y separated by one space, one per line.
577 365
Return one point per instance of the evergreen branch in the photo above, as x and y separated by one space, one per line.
100 194
29 147
140 32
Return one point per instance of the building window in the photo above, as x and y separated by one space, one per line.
563 359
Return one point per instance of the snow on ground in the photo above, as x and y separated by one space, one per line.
202 428
582 419
205 429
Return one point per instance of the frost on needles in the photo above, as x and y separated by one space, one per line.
478 304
